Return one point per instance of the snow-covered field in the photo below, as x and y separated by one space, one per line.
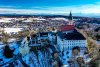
12 30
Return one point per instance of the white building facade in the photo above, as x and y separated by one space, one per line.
69 44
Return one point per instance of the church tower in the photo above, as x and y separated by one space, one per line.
70 19
70 26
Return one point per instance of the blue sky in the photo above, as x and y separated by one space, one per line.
50 7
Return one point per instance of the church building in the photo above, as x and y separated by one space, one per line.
68 37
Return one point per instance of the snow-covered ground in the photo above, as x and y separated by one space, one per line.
98 42
12 30
5 20
12 40
12 46
41 60
38 58
66 57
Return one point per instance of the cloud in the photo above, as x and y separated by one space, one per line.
8 6
80 9
98 3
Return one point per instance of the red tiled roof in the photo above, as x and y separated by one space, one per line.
67 27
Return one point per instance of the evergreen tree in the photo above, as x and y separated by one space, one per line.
8 53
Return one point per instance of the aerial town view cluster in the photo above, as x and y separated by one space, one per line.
41 40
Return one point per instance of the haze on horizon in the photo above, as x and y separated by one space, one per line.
55 7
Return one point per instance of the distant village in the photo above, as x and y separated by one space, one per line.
49 41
